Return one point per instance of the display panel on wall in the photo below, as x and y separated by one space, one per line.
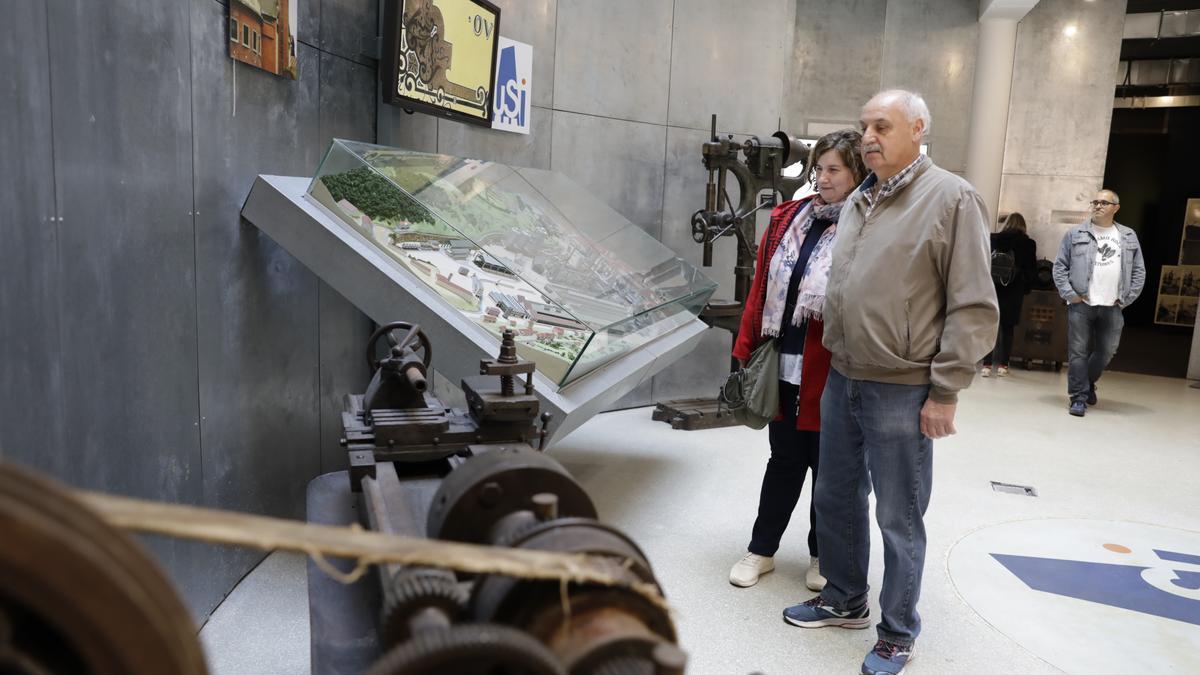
262 33
1178 295
1189 244
439 57
517 248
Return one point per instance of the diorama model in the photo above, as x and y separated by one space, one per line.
518 249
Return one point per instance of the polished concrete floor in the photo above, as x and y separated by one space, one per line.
1116 486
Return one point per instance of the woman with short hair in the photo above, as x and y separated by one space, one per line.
785 303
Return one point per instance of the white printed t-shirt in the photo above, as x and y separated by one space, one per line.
1106 273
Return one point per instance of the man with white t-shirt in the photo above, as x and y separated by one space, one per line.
1099 271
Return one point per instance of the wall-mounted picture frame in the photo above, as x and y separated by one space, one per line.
1178 295
262 33
439 57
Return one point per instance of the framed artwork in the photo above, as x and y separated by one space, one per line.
1189 244
439 57
262 33
1178 295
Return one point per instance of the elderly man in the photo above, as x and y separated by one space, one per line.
910 310
1098 271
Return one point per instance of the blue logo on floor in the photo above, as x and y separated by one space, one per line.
1164 590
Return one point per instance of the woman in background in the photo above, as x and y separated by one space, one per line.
785 304
1011 287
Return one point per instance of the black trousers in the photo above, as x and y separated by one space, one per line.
1003 351
792 454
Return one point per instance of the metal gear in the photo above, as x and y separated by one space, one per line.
470 649
413 591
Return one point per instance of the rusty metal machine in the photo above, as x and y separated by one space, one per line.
759 169
80 596
475 476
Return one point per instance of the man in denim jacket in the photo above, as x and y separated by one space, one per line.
1099 271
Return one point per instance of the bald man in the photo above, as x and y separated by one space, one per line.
1099 271
910 309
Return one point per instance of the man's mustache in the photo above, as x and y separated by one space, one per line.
872 147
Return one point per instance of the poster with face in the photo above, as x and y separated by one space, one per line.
262 33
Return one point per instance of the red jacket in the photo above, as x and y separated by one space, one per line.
815 367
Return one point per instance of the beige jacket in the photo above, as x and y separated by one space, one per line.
910 298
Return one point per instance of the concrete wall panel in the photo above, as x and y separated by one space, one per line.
929 47
414 131
348 28
729 59
1062 88
1038 197
534 22
700 373
835 64
344 86
343 370
620 162
257 304
31 388
613 58
532 149
123 156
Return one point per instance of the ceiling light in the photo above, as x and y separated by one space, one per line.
1071 30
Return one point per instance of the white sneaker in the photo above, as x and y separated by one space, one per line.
813 578
747 570
986 372
1002 371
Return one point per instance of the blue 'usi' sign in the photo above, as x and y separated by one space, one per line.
512 91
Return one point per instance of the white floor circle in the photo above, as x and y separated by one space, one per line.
1087 596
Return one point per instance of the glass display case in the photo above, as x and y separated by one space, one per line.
509 247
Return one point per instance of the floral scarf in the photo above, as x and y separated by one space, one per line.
810 300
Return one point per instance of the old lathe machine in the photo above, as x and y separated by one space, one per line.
489 485
481 556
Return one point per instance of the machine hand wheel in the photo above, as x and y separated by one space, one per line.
413 333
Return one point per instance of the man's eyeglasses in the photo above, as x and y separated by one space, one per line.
1101 202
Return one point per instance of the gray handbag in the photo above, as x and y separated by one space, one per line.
752 393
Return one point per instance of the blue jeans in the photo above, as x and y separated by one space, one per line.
871 437
1092 337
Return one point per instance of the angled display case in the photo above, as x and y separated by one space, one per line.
468 248
516 248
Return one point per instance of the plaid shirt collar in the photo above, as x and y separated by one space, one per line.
891 185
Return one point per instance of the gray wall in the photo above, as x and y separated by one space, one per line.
1060 112
846 51
153 345
623 91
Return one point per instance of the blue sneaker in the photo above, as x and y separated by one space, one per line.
887 658
817 613
1091 396
1078 408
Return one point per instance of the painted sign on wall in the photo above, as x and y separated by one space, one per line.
439 57
514 86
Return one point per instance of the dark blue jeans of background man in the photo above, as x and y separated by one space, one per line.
871 437
1092 337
